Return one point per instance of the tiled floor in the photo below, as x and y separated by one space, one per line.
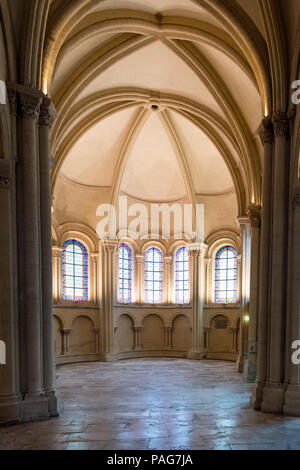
155 404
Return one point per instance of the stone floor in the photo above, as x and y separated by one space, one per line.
155 404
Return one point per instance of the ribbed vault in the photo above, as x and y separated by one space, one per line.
203 65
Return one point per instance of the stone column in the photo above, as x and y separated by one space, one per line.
97 338
57 262
267 139
94 258
244 224
168 263
292 375
250 226
137 330
168 337
29 237
46 119
109 250
273 395
66 341
254 214
208 296
9 330
197 252
139 278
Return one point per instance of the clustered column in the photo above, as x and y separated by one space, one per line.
137 330
196 253
168 337
139 277
46 119
33 115
9 330
109 251
269 392
250 226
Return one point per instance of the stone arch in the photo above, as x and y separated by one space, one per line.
153 336
125 334
181 333
66 18
82 338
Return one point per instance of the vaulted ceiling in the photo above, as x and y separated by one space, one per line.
158 100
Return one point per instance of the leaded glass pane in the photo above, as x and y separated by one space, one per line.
125 274
226 275
153 276
181 276
75 271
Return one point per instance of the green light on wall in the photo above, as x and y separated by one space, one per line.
246 318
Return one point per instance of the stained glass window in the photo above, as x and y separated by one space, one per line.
153 276
226 275
125 274
181 276
75 271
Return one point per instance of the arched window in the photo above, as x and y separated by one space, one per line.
125 274
153 276
181 276
75 271
226 275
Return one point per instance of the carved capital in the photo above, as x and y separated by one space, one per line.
30 102
47 113
66 331
138 329
197 249
281 125
139 259
29 109
266 132
5 178
57 252
110 246
254 214
168 329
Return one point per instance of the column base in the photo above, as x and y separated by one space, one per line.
195 354
34 409
291 405
55 404
249 368
108 357
257 395
273 398
10 410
